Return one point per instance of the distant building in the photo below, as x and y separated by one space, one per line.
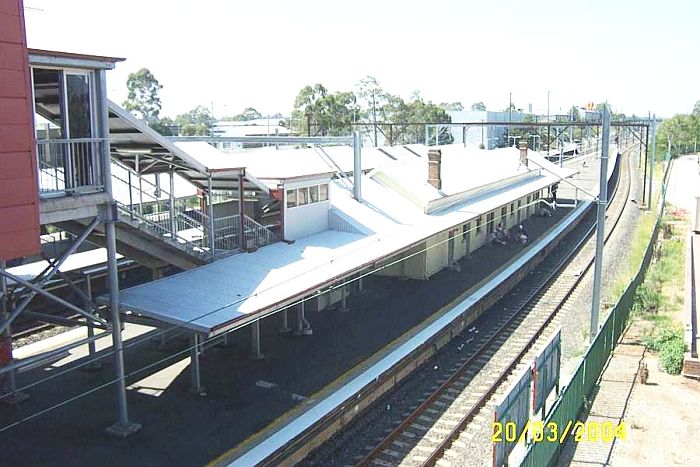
257 127
490 136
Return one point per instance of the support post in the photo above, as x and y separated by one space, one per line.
210 212
303 326
93 365
138 174
285 329
131 197
653 157
196 387
600 228
173 222
357 166
6 340
646 160
241 212
641 132
122 427
255 353
343 299
464 136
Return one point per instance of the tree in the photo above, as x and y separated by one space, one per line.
166 126
143 99
452 106
248 114
318 113
415 113
696 109
196 122
478 106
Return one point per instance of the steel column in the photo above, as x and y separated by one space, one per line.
90 327
600 228
646 160
241 212
123 427
196 387
138 174
343 299
357 166
653 157
255 341
131 196
210 211
285 323
173 222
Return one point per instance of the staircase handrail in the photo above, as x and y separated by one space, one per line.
162 231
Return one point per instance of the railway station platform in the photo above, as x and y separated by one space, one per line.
243 396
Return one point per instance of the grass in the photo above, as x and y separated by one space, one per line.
661 295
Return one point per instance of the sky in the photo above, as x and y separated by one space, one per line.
638 55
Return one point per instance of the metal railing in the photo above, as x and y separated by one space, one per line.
227 233
142 202
164 233
69 166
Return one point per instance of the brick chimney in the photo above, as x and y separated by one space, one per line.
434 168
522 145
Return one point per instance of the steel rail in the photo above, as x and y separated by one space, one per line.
454 433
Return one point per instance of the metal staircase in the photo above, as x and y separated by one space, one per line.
149 212
157 229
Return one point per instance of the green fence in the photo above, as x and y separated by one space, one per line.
573 397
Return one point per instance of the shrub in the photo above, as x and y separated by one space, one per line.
647 299
662 335
671 356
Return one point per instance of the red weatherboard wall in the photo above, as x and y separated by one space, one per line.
19 202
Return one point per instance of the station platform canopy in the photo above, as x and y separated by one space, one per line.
240 289
142 149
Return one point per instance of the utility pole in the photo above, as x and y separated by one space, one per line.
653 158
600 228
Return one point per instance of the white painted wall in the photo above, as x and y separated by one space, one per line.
437 254
308 219
302 221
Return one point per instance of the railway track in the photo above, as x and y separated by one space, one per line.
442 420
